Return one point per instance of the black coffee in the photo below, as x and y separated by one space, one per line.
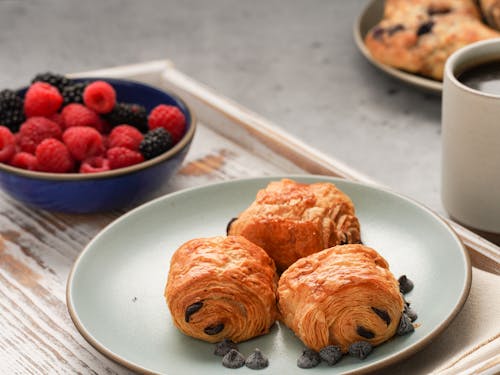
483 77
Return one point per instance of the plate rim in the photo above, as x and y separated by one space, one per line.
427 84
391 359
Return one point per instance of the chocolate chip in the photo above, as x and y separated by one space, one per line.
215 329
394 29
364 332
405 284
425 28
331 354
228 226
434 10
360 349
191 309
257 360
410 312
233 359
308 359
378 32
404 326
224 347
384 315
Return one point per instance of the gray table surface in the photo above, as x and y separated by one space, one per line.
294 62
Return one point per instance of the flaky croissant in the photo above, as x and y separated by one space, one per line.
339 296
291 220
222 287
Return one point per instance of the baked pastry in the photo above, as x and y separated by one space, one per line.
340 296
491 12
291 220
222 288
419 35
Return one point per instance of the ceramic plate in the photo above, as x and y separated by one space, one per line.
115 290
370 16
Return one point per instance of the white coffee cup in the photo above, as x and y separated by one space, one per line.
471 142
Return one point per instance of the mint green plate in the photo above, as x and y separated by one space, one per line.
115 290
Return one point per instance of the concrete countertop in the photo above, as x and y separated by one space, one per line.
294 62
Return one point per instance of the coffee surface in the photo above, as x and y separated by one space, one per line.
483 77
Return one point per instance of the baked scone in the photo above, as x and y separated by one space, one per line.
222 288
419 35
491 12
291 220
339 296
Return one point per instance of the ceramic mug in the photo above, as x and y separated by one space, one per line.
471 142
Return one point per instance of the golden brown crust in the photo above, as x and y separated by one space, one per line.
326 297
291 220
222 287
491 12
419 35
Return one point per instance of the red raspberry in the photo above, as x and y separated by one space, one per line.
83 142
53 156
75 114
42 99
120 157
125 136
99 96
58 119
7 144
25 160
34 130
94 164
170 118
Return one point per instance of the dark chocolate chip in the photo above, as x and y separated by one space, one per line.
404 326
410 312
308 359
360 349
405 284
435 11
215 329
384 315
233 359
394 29
223 347
378 32
228 226
257 360
331 354
425 28
364 332
191 309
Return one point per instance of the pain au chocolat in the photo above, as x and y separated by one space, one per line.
340 296
222 288
291 220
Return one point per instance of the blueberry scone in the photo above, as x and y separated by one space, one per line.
341 296
419 35
291 220
222 288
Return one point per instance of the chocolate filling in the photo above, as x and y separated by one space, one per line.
434 11
425 28
228 227
191 309
364 332
384 315
213 330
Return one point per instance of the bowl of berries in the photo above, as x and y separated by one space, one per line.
90 145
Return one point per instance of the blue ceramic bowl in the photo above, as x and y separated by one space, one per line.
115 189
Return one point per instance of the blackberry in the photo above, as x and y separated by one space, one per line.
130 114
155 142
56 80
73 93
11 110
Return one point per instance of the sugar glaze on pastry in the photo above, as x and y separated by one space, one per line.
222 288
339 296
291 220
